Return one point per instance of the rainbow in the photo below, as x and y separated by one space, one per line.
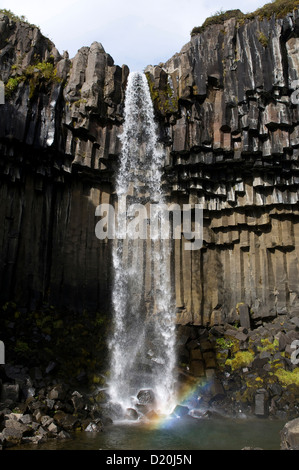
187 395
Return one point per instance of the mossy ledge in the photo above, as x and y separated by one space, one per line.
164 98
36 75
279 8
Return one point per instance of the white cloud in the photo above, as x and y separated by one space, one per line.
136 33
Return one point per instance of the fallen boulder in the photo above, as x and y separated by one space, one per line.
289 435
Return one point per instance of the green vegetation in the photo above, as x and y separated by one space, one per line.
287 377
240 359
15 18
218 18
263 39
78 102
164 99
12 16
12 85
279 8
37 75
222 343
267 345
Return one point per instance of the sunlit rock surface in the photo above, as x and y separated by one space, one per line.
228 116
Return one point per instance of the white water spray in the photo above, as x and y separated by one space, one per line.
143 342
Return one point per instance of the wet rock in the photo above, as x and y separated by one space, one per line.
26 419
252 448
196 354
180 411
52 428
10 392
78 401
217 390
197 368
10 437
50 367
112 411
102 397
41 434
261 403
50 403
244 316
259 362
152 415
63 435
143 409
66 421
131 414
146 396
14 431
197 413
46 420
209 360
213 414
289 436
95 426
58 392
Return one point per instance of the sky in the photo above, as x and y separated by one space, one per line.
134 32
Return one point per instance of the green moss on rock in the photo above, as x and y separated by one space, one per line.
287 377
164 100
263 39
12 16
37 75
240 359
218 18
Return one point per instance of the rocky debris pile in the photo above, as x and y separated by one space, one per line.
251 369
34 415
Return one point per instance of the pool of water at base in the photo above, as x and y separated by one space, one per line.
176 434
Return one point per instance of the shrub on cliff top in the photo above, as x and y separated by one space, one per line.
279 8
218 18
15 18
12 16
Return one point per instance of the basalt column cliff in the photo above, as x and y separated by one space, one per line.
228 116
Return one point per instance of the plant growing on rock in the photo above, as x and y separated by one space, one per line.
263 39
37 75
239 360
164 99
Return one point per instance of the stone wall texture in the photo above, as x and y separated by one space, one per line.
227 112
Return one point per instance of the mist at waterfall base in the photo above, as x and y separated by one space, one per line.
143 343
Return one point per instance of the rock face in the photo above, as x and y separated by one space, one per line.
229 119
58 127
228 116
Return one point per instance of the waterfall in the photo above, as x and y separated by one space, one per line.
143 342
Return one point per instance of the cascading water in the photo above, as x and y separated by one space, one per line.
142 346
